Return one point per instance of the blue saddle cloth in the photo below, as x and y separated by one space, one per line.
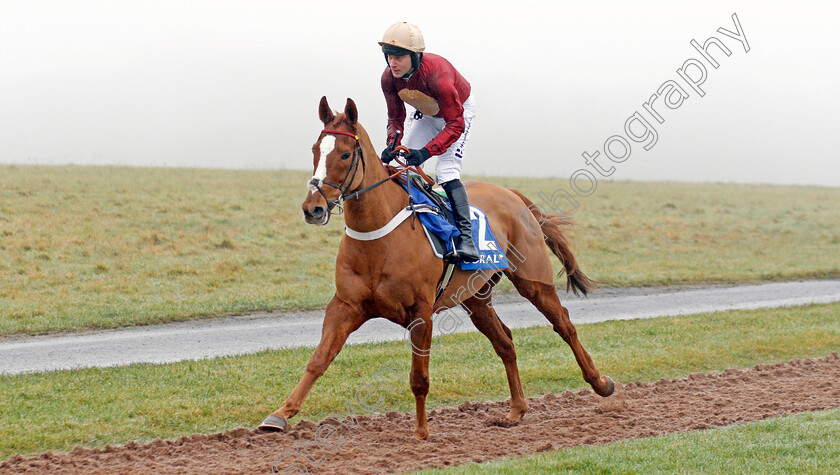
492 257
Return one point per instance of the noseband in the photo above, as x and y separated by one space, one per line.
341 187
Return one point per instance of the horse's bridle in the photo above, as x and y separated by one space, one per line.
354 167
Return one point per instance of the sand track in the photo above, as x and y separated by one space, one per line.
476 431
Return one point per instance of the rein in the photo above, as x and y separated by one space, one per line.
354 167
411 210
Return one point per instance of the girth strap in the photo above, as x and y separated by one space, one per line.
444 281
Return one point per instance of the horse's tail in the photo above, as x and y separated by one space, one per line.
552 226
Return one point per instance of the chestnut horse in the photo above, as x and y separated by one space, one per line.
395 276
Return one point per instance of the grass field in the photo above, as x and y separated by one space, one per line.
92 407
104 247
806 443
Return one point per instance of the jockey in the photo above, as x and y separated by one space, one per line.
439 126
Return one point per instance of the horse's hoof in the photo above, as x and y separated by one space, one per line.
273 423
516 414
610 387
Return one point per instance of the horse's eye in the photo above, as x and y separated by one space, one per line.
345 155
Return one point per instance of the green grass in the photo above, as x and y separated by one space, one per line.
805 443
92 407
104 247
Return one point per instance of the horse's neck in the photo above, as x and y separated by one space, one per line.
375 208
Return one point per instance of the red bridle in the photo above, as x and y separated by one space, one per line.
340 132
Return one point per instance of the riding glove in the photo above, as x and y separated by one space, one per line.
388 154
417 156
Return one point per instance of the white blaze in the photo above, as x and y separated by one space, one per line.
327 146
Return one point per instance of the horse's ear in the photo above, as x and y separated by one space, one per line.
324 111
350 111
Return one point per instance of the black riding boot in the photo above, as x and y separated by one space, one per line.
464 247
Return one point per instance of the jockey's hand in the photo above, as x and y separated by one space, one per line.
417 156
388 154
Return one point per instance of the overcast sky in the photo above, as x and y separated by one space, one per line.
237 84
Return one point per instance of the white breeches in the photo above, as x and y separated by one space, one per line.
419 132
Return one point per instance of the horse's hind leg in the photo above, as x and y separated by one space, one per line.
544 297
487 322
340 320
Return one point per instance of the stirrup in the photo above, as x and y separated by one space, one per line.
452 256
462 257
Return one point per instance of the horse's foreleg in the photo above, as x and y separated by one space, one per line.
421 345
339 322
544 297
487 322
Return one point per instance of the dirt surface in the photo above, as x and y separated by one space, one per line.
475 431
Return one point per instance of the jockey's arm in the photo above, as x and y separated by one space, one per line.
452 111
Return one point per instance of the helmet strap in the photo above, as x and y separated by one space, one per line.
416 59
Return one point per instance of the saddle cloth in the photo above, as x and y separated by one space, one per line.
441 231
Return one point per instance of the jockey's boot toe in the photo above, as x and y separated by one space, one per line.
465 248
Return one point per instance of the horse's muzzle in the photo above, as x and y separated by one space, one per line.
316 215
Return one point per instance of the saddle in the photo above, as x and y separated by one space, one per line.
439 226
439 201
418 183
